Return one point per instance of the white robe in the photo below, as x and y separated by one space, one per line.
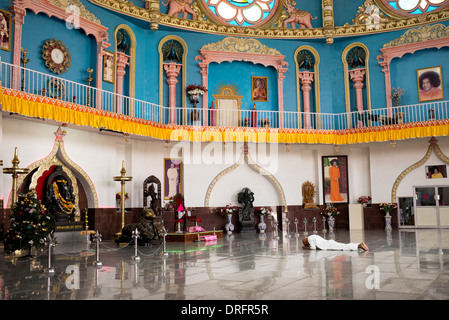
317 242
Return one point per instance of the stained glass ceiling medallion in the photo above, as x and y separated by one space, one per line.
414 7
244 13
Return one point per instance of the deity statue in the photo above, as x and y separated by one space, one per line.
60 199
246 197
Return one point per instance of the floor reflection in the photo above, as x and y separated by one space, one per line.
405 264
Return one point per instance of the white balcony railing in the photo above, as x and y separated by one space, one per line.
29 81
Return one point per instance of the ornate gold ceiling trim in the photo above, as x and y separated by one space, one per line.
206 26
81 9
420 34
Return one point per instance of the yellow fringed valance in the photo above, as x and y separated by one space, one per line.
47 108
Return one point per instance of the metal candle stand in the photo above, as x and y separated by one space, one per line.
97 239
50 243
136 234
296 228
305 228
276 235
164 243
288 229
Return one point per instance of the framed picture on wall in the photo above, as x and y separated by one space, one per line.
172 177
335 179
436 171
108 66
259 87
430 84
5 30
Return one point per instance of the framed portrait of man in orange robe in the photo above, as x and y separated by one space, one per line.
335 179
430 84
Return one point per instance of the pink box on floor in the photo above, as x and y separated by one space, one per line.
195 229
209 238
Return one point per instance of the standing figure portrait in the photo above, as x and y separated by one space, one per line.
259 88
335 179
5 30
173 178
430 84
108 67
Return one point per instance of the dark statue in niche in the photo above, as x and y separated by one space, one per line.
150 224
246 197
149 191
59 197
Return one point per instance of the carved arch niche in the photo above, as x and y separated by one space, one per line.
421 38
307 76
355 59
172 61
242 49
83 187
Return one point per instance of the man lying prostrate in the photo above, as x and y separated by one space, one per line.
315 242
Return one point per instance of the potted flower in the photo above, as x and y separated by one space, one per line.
245 122
396 94
266 122
195 90
330 212
364 200
261 212
169 205
387 208
228 211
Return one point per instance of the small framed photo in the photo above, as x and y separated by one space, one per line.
173 173
430 84
436 171
335 179
5 30
259 86
108 66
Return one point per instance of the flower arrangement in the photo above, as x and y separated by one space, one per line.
228 210
266 122
170 204
396 94
245 122
262 211
118 196
196 89
330 211
364 199
387 207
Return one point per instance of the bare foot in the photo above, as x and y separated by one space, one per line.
363 246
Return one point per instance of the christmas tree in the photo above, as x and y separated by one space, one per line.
29 224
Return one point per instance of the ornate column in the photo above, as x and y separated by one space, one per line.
306 78
172 70
122 62
204 70
384 61
101 45
358 75
18 19
281 70
328 20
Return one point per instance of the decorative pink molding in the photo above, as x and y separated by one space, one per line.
122 62
389 53
306 78
172 70
276 61
99 32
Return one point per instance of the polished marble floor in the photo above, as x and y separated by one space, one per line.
404 265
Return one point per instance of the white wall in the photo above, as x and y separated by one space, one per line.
373 167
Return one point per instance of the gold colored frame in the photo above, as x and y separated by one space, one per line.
253 87
46 55
180 177
111 54
437 70
7 16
